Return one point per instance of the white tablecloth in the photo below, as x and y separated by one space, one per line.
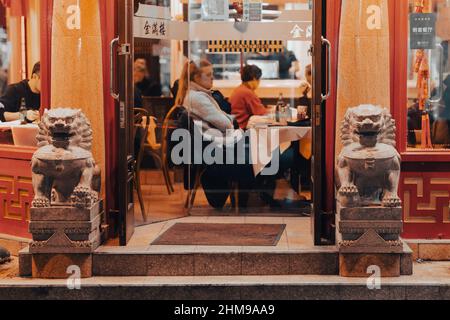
265 140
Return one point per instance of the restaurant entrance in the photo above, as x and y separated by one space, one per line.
188 77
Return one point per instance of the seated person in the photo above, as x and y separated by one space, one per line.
195 95
148 86
306 100
244 101
27 92
306 89
217 95
138 75
245 104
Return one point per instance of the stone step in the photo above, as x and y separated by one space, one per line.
207 261
175 261
431 281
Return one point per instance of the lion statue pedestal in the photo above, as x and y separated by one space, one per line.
66 213
369 209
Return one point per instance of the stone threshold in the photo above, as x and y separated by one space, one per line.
431 282
193 261
213 261
430 250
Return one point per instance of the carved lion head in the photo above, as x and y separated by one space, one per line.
64 127
368 125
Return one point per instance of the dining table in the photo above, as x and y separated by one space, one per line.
268 136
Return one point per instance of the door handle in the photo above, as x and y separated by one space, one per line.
441 75
112 69
328 45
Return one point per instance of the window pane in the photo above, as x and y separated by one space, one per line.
428 76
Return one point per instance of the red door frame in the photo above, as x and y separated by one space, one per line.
108 16
46 20
332 33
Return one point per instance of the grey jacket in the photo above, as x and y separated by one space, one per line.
202 106
206 113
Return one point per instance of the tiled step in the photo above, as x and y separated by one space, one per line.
213 261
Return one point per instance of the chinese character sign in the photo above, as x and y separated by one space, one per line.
423 30
151 28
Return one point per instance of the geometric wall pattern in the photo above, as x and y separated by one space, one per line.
426 202
16 195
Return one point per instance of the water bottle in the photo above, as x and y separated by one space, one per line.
279 108
23 111
287 113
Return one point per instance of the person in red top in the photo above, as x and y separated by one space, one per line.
244 101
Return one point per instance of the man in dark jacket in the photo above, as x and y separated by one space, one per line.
26 93
148 86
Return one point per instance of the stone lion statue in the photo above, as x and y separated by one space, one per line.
368 168
64 171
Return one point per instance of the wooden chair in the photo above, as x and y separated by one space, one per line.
192 193
141 124
168 125
154 148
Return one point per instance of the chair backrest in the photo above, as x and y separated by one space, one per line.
170 124
151 138
140 131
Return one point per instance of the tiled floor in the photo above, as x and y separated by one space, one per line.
164 210
160 206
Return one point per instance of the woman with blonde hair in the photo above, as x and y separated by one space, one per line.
195 94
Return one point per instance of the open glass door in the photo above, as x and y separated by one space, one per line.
282 39
321 77
122 91
257 55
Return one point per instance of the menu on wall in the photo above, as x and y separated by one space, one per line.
422 30
252 10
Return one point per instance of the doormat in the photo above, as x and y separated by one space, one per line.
222 234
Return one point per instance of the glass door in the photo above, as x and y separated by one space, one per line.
122 91
266 58
321 53
208 49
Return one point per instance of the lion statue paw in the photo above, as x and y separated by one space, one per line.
391 201
82 197
348 190
40 202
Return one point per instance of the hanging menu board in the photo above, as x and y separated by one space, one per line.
253 10
422 30
215 10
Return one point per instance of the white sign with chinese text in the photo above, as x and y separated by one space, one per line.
154 22
152 28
